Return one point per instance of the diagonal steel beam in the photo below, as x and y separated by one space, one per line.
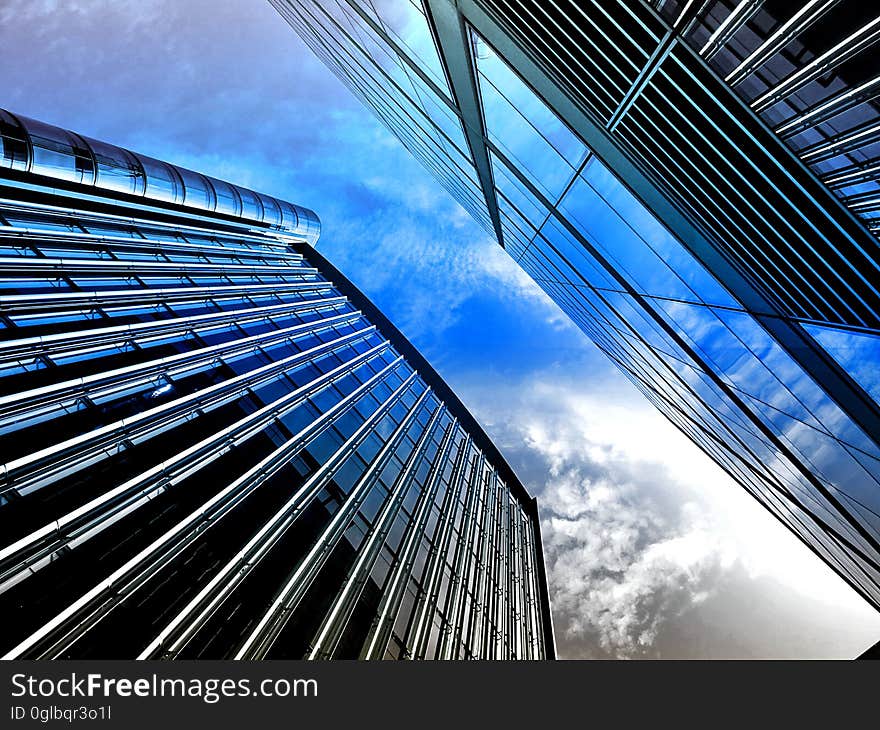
454 48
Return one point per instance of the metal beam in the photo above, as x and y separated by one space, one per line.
850 46
453 46
828 108
728 27
779 38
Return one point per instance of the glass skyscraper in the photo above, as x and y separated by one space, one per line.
214 446
696 184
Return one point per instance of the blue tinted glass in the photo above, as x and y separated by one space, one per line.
250 204
227 198
58 153
510 187
857 352
532 115
117 168
271 211
13 143
163 182
632 239
197 190
409 28
663 245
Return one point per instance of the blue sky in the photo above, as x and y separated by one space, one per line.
652 550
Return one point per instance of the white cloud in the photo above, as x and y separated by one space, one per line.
440 276
647 541
623 556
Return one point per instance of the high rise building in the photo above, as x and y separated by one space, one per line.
213 445
696 184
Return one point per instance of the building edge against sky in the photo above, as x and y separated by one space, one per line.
696 185
215 398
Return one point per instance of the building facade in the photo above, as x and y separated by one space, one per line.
696 184
214 446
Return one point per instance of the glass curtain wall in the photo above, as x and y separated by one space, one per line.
644 165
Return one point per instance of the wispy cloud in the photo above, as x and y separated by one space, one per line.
424 272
